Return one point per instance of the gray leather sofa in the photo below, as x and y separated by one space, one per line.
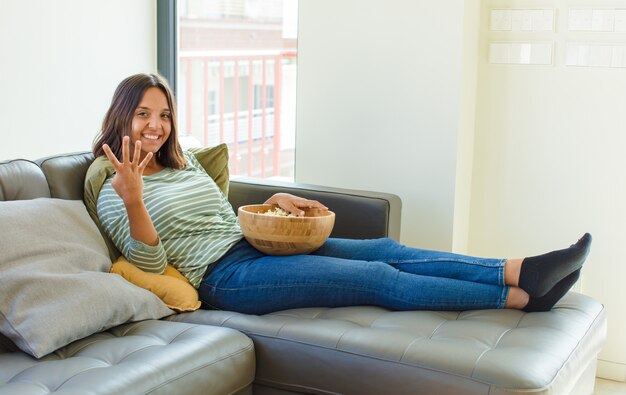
355 350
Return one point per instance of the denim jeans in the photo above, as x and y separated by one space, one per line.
347 272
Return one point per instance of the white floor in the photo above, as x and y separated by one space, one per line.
608 387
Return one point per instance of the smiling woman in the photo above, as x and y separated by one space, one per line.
179 216
151 127
142 110
143 105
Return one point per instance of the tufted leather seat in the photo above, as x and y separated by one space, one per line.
148 357
472 352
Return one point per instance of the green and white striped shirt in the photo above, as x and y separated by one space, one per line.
194 220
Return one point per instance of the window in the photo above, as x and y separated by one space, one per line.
236 81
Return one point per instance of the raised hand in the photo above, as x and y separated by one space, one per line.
293 203
127 181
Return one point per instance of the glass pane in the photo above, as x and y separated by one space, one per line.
237 81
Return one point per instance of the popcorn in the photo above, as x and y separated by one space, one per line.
279 212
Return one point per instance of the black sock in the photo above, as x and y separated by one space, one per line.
542 272
547 301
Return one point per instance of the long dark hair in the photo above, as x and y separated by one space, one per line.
118 119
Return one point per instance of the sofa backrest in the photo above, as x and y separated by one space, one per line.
59 176
62 176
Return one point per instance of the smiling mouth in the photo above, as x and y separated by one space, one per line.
151 137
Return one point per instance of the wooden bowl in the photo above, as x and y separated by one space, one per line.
278 235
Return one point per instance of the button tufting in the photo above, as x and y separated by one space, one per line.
141 356
471 348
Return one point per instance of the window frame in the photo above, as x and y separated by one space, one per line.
167 48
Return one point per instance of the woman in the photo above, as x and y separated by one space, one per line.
160 206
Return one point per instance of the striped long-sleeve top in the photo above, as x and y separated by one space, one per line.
194 220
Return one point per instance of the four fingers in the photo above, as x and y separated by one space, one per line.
126 157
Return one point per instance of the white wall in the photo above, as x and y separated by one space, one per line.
61 61
379 104
549 162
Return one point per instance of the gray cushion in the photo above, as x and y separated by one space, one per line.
55 280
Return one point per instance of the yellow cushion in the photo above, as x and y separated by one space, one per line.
172 287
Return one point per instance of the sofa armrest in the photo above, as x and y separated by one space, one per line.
359 214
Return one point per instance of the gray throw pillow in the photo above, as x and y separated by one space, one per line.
54 278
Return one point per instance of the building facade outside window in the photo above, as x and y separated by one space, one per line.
236 81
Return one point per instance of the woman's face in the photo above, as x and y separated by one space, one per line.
151 122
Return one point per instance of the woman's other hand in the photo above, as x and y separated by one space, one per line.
293 203
127 181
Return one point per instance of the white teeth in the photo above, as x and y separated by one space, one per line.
150 137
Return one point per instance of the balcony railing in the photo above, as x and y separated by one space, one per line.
236 99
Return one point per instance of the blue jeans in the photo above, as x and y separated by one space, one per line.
347 272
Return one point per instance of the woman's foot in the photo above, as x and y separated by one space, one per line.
539 274
546 302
